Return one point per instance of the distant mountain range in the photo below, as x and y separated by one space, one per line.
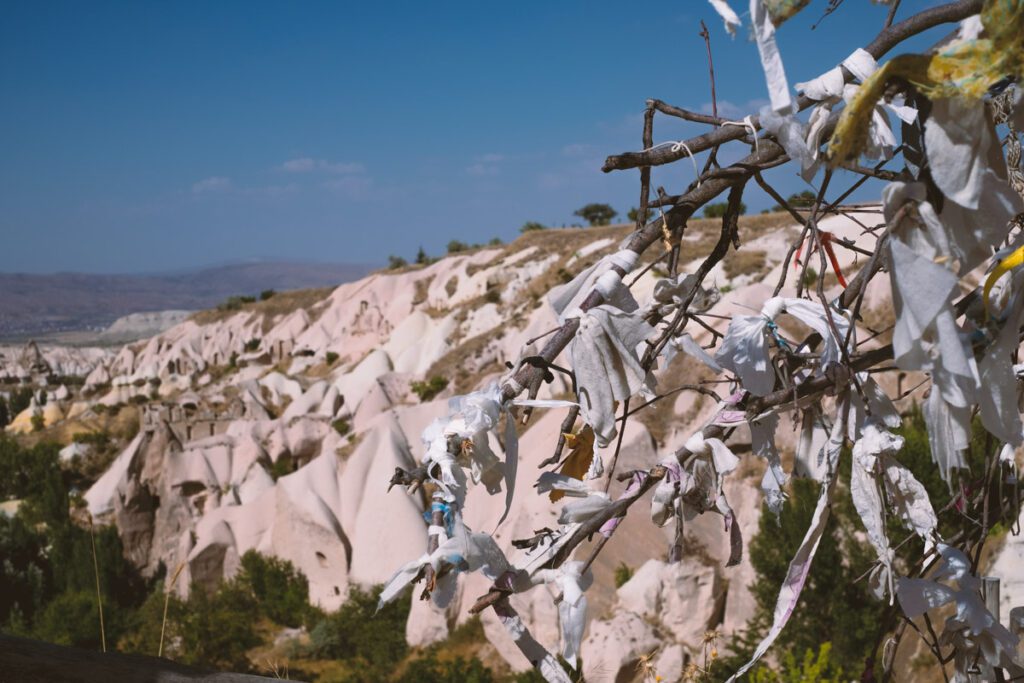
41 305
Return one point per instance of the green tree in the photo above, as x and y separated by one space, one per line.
396 262
218 627
281 590
832 607
19 400
430 669
421 257
718 210
73 618
596 214
357 632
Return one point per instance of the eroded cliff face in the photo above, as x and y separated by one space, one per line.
277 428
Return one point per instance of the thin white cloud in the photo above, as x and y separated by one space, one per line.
486 165
576 150
355 187
731 110
212 184
309 165
482 170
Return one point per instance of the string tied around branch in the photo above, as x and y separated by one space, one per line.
747 123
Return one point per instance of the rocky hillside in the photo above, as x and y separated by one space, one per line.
277 427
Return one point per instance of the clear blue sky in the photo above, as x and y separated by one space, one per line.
144 136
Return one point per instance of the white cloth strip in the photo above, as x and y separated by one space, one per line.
771 60
732 22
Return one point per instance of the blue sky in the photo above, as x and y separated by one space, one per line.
156 136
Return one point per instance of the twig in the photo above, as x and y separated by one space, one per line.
96 573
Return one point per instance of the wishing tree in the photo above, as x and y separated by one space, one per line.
952 218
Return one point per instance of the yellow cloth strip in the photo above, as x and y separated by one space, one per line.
966 70
1006 265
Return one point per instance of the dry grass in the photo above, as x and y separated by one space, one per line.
462 366
746 262
421 285
312 300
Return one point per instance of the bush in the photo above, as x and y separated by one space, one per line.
234 303
430 669
495 242
38 423
532 226
718 210
358 632
396 262
331 357
810 277
455 246
217 628
342 426
73 618
430 388
281 590
20 399
421 257
623 573
251 345
267 294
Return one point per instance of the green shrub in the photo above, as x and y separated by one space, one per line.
495 242
532 226
73 618
234 303
718 210
810 277
267 294
20 399
38 423
455 246
358 632
623 573
217 628
331 357
396 262
281 590
430 669
251 345
430 388
342 426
